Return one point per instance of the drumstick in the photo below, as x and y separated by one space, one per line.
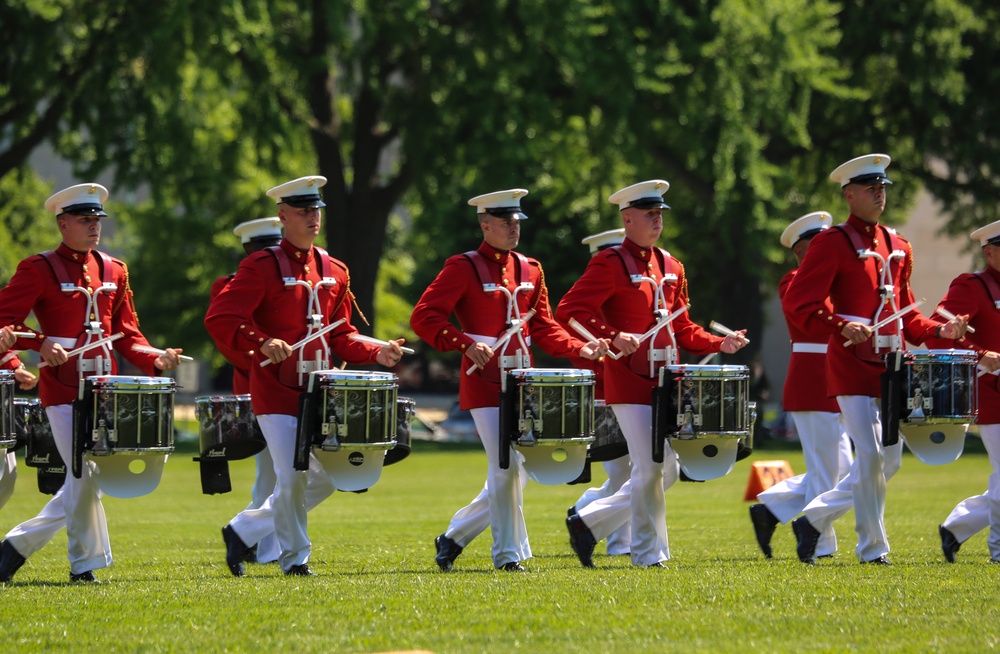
582 331
663 323
311 337
154 350
513 329
25 334
7 357
899 314
374 341
725 331
98 343
944 313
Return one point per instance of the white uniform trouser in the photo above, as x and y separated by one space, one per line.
863 489
827 451
618 471
295 492
8 475
263 487
645 505
501 502
976 513
77 507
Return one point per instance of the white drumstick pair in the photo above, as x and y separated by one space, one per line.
507 335
582 331
307 339
725 331
948 315
90 346
361 338
885 321
155 350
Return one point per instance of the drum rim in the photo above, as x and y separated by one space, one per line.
204 399
355 375
138 380
565 373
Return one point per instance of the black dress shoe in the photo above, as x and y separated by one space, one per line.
949 544
236 551
83 578
10 561
447 551
807 538
764 524
513 566
658 564
581 540
301 570
571 511
879 561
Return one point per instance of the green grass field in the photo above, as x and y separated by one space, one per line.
379 589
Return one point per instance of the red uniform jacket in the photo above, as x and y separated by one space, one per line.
241 360
256 306
457 290
606 290
805 384
34 287
832 269
967 295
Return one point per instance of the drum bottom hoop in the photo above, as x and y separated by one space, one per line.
131 451
940 420
709 434
552 442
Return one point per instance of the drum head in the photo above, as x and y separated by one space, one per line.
352 470
935 445
126 475
552 465
706 458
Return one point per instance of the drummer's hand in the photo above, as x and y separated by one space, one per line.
594 350
856 333
626 343
7 338
276 350
26 380
734 342
390 353
52 353
170 359
955 329
480 353
990 361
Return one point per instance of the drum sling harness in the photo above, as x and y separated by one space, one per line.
664 356
992 288
314 315
95 365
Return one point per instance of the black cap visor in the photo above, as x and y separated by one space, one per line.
648 203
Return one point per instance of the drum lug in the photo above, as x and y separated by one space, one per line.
918 403
687 421
527 426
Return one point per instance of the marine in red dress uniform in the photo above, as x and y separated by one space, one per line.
64 318
483 317
825 446
255 235
257 312
833 269
609 304
977 295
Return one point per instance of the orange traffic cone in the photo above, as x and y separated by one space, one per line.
764 474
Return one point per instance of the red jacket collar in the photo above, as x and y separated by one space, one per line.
490 253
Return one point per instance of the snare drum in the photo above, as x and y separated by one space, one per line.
227 428
127 425
358 410
940 387
548 415
940 393
130 414
40 445
405 408
609 441
553 405
8 433
710 406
